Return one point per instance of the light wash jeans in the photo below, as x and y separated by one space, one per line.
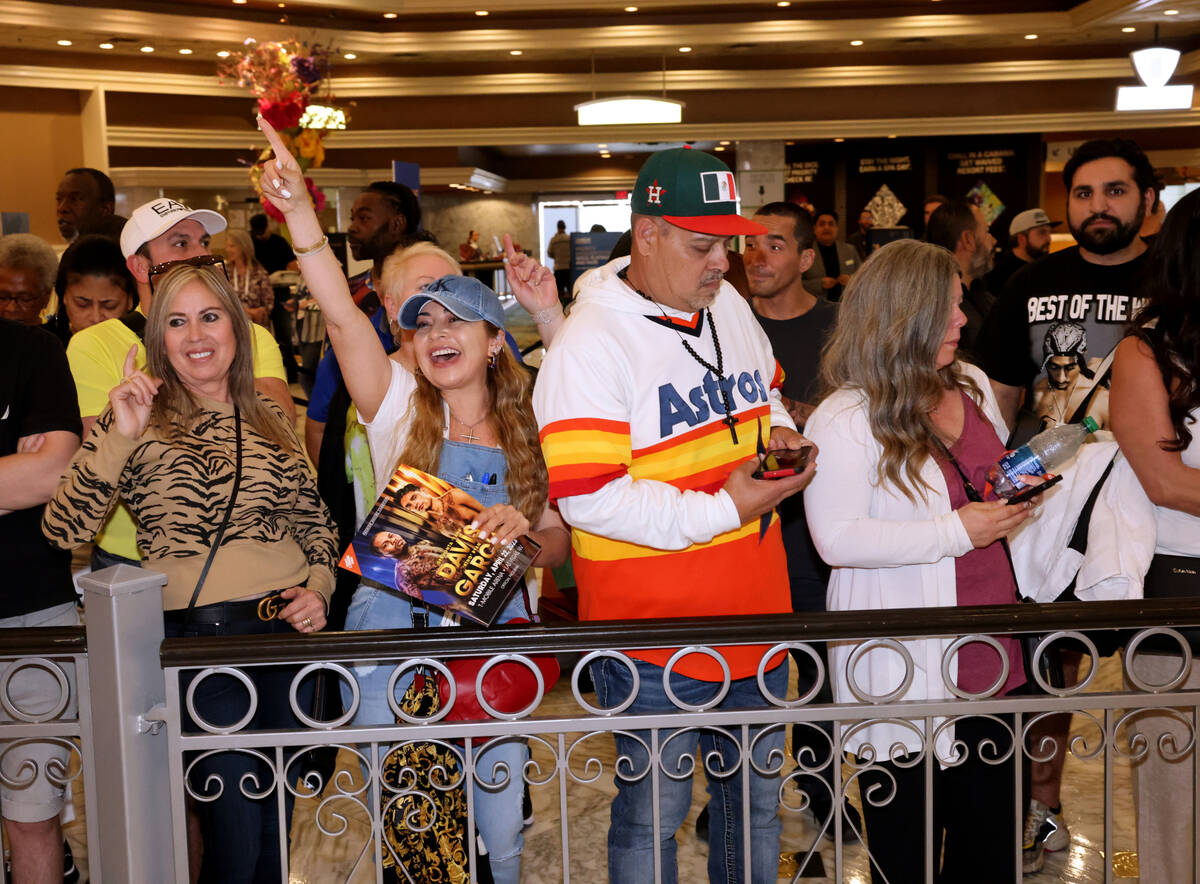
631 833
498 813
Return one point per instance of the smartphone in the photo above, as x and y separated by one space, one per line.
1034 490
782 463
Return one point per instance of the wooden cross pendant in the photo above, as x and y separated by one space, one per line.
730 421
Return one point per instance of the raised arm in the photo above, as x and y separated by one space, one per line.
535 289
362 358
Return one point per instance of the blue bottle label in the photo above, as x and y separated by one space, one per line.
1022 462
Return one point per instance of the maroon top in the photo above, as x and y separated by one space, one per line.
984 576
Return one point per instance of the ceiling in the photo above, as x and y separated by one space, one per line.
434 81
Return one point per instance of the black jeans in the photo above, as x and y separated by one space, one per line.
241 832
974 814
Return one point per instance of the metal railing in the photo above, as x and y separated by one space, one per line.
140 682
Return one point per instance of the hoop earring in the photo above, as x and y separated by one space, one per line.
492 360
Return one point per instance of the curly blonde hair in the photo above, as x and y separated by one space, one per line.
891 323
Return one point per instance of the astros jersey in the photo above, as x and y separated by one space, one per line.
633 434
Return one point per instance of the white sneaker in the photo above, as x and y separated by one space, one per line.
1045 831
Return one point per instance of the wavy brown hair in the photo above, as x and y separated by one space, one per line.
175 409
891 323
512 418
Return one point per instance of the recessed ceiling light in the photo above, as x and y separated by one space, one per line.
789 143
481 12
631 9
64 42
107 46
514 52
1129 30
147 49
891 136
224 53
282 5
784 3
389 15
856 42
1031 36
349 56
1170 12
185 52
723 143
239 2
685 48
837 140
718 148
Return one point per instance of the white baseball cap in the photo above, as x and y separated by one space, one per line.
156 217
1030 219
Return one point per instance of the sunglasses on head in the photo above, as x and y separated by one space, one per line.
197 261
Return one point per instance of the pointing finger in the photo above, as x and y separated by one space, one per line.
283 156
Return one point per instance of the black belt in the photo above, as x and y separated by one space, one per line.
264 609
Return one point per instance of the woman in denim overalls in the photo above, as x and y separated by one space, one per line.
464 413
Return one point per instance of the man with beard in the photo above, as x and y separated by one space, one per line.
1028 240
961 227
385 216
1110 188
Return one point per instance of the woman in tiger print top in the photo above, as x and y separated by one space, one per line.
167 447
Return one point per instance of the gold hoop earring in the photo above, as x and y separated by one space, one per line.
492 360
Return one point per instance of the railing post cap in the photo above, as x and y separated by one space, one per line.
121 580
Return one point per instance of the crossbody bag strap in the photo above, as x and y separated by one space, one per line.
237 481
974 496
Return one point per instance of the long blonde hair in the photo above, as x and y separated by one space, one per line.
245 245
175 408
891 323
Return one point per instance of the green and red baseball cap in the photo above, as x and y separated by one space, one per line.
693 190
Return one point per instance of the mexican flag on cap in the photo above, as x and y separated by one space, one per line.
693 190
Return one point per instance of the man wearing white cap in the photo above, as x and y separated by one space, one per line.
1028 240
159 233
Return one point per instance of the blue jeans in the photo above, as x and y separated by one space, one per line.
498 814
631 833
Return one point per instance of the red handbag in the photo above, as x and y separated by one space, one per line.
508 687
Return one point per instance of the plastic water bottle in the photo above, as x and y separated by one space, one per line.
1044 453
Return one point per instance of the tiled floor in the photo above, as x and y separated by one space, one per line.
320 858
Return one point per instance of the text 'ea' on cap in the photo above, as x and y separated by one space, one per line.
693 190
153 219
464 296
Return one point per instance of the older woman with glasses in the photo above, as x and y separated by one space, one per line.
227 507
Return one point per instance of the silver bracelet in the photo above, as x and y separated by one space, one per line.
547 315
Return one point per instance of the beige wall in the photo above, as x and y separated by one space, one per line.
451 216
43 138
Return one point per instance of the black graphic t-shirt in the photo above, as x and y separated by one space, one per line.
1050 330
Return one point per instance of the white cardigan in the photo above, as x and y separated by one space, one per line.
886 552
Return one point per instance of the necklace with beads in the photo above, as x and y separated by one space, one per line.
717 370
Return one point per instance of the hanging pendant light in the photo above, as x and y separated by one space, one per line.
1154 66
629 109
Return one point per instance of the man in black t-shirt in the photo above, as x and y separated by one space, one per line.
39 434
270 249
962 228
1046 341
1110 187
797 323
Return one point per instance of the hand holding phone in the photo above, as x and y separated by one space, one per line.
1032 491
783 462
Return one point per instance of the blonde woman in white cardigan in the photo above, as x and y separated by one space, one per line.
903 528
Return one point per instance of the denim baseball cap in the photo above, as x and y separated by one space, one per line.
464 296
693 190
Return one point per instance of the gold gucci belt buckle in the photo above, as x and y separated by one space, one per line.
269 607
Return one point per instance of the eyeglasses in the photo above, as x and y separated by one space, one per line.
196 261
26 299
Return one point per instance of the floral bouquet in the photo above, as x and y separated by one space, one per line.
284 77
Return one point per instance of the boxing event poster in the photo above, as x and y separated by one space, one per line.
418 539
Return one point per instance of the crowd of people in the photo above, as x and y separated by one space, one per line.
164 433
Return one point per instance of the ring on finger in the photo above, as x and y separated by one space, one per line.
306 622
